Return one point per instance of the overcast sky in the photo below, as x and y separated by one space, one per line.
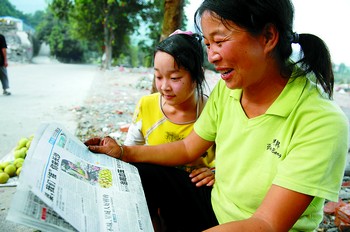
327 19
29 6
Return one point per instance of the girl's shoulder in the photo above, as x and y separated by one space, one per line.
150 98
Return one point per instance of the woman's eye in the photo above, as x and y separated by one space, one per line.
175 78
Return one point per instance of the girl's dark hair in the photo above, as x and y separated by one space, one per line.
255 15
188 53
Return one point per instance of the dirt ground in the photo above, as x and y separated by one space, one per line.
41 93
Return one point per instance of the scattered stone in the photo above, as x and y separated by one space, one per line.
111 103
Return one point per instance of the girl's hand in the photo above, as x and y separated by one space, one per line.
202 176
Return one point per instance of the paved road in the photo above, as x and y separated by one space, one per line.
45 91
42 92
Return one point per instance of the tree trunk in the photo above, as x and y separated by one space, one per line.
173 11
108 37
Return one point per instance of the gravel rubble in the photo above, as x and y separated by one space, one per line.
112 100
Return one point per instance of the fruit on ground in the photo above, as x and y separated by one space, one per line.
18 162
4 164
30 139
4 177
22 142
10 170
18 171
28 143
20 153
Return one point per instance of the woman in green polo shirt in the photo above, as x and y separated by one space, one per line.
281 142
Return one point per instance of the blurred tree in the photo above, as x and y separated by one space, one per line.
173 17
101 25
108 23
342 68
66 49
7 9
57 34
36 18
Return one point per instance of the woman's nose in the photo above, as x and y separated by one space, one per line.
213 56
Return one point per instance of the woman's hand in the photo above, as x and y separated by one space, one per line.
202 176
106 146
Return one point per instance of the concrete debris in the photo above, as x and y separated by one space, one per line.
19 42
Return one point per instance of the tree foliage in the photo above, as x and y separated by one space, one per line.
7 9
103 26
108 23
173 19
62 44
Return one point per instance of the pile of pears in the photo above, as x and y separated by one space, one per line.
13 168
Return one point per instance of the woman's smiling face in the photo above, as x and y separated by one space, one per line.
236 54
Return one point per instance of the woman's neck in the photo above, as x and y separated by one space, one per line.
256 100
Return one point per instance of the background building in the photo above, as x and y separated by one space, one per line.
18 37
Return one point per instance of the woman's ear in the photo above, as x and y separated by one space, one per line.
271 37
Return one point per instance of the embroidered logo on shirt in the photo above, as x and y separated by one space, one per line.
172 137
273 147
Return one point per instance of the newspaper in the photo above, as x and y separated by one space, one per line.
65 187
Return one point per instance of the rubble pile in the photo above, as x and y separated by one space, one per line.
19 43
337 214
111 103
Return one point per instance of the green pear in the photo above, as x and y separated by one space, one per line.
10 170
20 153
4 177
22 142
4 164
18 171
18 162
28 143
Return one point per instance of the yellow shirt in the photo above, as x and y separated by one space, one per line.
150 126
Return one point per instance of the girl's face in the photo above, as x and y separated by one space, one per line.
174 83
236 54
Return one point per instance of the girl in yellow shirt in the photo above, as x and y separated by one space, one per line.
169 114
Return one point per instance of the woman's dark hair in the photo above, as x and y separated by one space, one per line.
188 53
255 15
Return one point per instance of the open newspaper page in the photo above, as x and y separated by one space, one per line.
92 192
